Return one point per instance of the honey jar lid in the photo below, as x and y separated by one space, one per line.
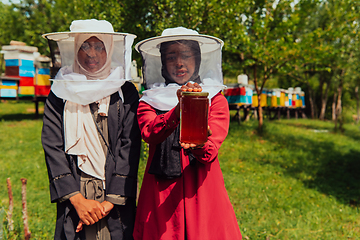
195 94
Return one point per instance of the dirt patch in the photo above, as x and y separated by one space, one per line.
32 110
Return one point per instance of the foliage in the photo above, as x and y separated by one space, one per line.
310 43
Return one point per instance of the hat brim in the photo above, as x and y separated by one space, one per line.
69 36
151 45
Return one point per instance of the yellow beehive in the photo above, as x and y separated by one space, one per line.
255 101
43 80
26 90
298 103
273 100
263 99
8 87
282 98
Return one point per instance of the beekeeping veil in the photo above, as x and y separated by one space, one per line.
79 84
73 82
159 81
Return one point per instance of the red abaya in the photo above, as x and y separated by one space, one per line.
194 206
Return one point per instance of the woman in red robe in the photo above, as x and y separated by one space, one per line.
183 194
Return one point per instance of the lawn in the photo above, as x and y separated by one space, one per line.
296 180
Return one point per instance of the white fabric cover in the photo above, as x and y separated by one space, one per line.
164 97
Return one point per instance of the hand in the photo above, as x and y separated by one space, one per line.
194 146
89 211
189 87
107 208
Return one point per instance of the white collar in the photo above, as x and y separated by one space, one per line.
164 97
76 88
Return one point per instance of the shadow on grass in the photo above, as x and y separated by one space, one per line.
322 165
331 171
20 117
316 126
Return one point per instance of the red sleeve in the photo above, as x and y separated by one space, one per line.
219 125
155 128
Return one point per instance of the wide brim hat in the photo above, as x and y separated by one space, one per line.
152 45
89 26
63 51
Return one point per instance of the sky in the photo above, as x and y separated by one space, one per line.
7 1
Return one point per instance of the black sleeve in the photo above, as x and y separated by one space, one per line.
60 166
127 151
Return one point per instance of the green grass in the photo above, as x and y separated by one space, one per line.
22 156
292 181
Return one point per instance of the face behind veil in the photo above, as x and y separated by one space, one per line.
180 61
105 70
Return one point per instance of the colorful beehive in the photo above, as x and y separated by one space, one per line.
255 100
273 98
232 94
8 88
249 94
278 94
242 94
282 98
42 76
290 96
298 101
19 63
26 86
263 98
268 98
302 97
237 94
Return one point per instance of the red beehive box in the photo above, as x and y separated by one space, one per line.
232 91
42 90
26 81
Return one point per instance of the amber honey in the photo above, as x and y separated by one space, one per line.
194 108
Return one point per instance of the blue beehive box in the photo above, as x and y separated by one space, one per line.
242 98
12 93
44 71
11 62
9 83
249 93
27 71
233 99
27 63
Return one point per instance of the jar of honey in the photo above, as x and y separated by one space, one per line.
194 108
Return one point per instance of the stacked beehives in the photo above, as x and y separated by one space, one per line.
243 94
26 72
19 70
42 76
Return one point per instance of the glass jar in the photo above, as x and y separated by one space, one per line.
194 108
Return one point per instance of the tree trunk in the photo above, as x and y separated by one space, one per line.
324 98
357 104
311 101
247 118
338 102
259 97
333 107
339 107
260 111
261 117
